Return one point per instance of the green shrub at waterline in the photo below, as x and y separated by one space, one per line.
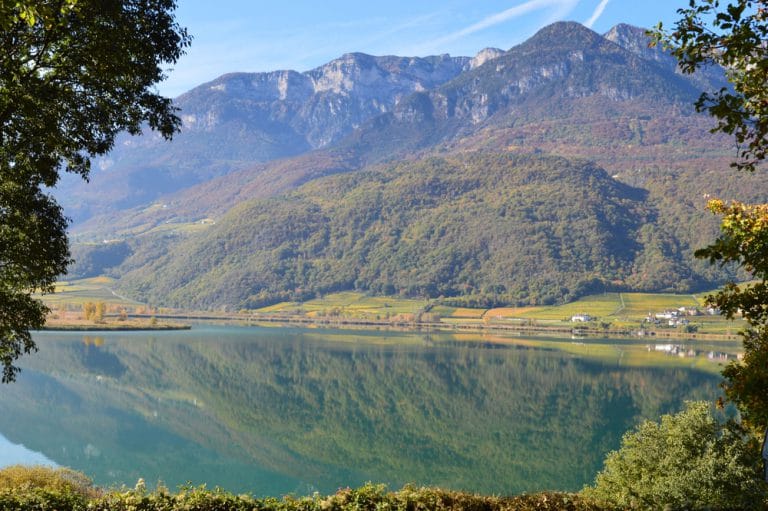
30 495
45 488
688 461
39 477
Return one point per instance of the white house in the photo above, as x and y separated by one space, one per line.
667 314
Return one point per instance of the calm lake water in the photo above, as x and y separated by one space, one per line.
286 410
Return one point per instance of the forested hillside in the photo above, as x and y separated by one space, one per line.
479 228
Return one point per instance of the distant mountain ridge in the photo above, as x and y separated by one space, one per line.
564 71
319 106
243 118
565 76
635 40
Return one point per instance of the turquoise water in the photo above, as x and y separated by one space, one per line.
286 410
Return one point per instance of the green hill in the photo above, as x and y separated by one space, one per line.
480 228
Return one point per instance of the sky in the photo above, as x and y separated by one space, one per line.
261 35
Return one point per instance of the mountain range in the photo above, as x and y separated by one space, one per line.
243 118
569 164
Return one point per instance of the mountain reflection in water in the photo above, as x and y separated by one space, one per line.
281 410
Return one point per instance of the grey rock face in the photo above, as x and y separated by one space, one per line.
240 119
635 40
484 56
321 105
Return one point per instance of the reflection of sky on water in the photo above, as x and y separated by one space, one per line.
15 454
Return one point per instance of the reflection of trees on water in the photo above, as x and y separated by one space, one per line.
490 420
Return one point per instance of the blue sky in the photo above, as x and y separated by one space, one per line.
258 35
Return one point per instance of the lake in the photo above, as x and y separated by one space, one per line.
283 410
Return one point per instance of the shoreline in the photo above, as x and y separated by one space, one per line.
183 321
574 332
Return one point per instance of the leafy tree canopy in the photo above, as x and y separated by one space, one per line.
744 240
736 37
733 37
688 460
73 74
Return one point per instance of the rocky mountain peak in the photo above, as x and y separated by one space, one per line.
361 72
563 34
635 40
271 86
484 56
342 75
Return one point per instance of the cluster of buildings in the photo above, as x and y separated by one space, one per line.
678 317
668 317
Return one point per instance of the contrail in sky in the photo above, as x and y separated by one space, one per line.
500 17
595 15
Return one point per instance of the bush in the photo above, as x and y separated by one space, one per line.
41 500
45 489
21 478
689 460
374 498
187 499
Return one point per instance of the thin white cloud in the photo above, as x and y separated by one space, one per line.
595 15
221 48
501 17
560 13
